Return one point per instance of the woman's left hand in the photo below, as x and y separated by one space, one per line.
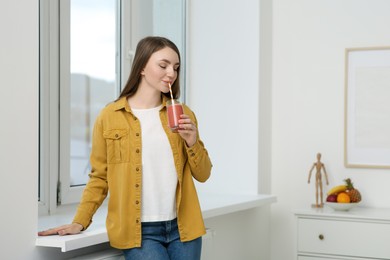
187 130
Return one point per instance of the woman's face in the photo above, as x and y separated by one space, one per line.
160 70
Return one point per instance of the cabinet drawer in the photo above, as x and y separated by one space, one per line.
344 238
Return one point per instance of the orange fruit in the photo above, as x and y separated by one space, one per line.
343 197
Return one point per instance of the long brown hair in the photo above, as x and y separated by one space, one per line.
145 48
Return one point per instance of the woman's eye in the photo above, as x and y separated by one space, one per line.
164 66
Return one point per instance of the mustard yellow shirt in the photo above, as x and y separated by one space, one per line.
116 168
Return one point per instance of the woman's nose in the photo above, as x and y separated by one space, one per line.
171 71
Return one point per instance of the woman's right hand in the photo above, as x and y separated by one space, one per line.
70 229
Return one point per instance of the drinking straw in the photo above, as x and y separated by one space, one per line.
170 91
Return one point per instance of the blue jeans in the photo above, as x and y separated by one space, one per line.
161 241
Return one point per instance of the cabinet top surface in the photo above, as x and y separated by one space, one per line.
380 214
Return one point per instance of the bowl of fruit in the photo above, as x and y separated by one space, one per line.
343 197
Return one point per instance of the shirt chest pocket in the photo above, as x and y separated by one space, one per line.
118 145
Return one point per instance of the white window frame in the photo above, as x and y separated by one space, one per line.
54 180
49 85
70 194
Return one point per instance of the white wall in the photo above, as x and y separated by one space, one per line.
241 235
223 89
225 45
308 103
19 127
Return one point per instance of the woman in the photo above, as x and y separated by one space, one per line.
153 209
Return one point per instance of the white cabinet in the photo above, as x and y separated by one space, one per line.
330 258
361 233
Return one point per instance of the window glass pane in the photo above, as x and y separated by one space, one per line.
93 76
169 21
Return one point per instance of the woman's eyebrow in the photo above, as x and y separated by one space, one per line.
167 61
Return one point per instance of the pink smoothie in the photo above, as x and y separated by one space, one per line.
174 112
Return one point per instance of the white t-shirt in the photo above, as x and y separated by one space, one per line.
159 177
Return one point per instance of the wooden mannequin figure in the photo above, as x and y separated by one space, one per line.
319 166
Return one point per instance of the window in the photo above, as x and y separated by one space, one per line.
86 50
79 46
89 38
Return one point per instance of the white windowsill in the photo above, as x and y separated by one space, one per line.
213 205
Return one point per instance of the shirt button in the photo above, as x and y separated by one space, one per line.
137 169
192 154
137 151
116 135
137 221
136 185
136 134
137 202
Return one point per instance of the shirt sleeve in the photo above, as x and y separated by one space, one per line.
96 189
198 158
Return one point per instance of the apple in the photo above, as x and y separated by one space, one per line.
331 198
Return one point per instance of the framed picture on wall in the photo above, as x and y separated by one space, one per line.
367 107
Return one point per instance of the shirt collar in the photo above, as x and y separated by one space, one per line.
123 104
